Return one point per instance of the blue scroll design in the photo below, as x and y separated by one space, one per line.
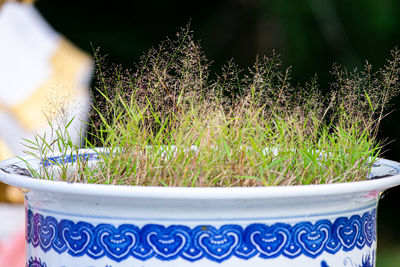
367 261
204 241
66 159
35 262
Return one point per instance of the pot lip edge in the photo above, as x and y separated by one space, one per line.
202 193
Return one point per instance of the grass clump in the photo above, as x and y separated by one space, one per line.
169 123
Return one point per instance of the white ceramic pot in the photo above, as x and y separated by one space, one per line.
102 225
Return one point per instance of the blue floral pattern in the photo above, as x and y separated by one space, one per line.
367 261
65 159
35 262
204 241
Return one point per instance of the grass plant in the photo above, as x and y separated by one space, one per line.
169 122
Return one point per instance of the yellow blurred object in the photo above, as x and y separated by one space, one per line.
20 1
66 63
5 151
14 195
8 193
44 78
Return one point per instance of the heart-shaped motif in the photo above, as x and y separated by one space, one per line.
368 226
348 231
78 237
46 229
117 242
362 237
29 230
269 240
218 244
37 220
373 220
167 243
312 238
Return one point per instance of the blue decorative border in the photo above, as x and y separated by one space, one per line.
203 241
64 159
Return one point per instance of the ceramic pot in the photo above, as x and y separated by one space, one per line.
70 224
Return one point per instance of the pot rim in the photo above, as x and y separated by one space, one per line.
203 193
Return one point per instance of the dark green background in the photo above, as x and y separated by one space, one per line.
310 35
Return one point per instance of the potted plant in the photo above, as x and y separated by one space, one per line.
179 169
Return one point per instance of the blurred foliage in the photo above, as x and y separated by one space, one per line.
309 34
388 257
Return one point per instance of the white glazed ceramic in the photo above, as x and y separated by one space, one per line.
107 226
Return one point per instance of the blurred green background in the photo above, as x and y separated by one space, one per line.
310 35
